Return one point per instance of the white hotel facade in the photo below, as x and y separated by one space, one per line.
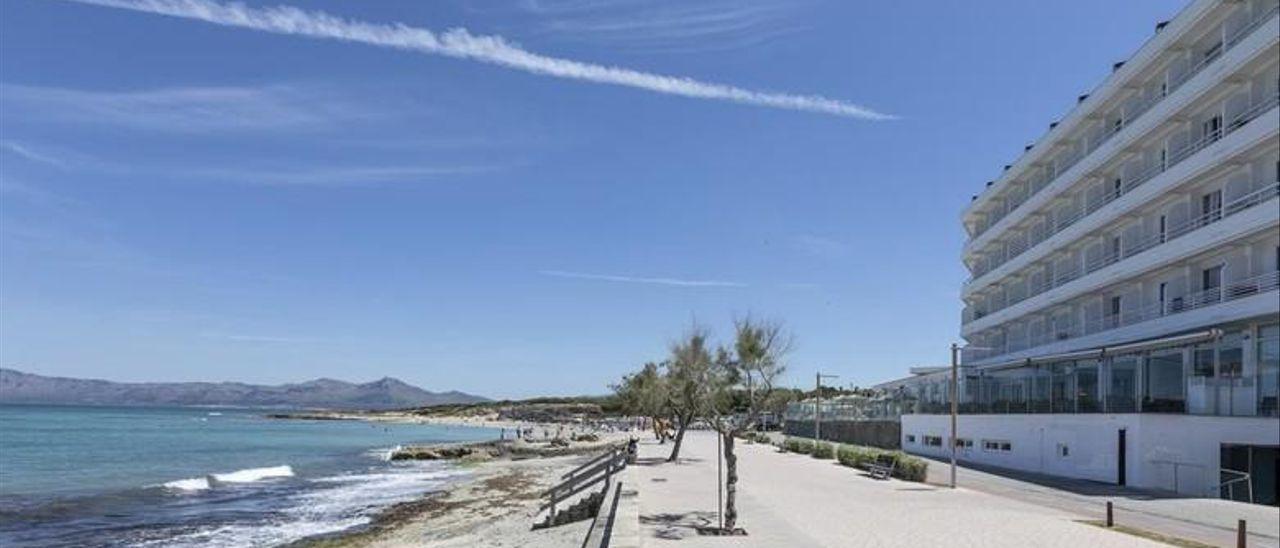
1122 317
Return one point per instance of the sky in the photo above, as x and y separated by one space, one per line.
514 198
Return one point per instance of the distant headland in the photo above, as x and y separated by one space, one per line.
386 393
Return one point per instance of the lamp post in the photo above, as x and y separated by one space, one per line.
955 402
955 407
817 405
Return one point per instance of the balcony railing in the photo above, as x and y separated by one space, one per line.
1176 157
1239 289
1132 115
1077 269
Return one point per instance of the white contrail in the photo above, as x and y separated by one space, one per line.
487 49
638 280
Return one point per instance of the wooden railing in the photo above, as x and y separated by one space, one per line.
597 470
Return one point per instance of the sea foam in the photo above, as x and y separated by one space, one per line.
248 475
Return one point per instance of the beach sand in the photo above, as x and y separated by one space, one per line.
496 504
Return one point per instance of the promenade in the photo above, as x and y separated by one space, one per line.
797 501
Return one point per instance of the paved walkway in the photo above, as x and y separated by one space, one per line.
1205 520
797 501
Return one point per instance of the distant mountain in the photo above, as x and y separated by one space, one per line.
386 393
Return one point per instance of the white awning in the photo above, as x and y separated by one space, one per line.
1176 340
1098 353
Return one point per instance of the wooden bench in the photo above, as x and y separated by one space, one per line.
883 467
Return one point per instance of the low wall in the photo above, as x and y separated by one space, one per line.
878 433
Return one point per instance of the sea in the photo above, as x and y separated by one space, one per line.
138 476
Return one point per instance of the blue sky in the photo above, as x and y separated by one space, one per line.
533 205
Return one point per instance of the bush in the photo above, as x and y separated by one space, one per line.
823 451
906 467
795 445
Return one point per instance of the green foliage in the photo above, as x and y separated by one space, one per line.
823 450
798 445
906 467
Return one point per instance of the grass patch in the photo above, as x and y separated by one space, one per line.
1174 541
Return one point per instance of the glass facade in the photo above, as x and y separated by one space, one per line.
1237 374
1164 390
1122 389
1268 353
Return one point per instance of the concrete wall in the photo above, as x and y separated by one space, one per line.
1156 445
885 434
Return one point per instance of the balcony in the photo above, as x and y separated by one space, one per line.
1078 269
1068 330
1130 117
1071 217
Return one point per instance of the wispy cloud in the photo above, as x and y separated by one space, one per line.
461 44
185 109
239 337
309 174
336 176
682 27
29 154
639 280
821 246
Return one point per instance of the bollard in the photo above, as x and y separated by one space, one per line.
1240 534
1110 519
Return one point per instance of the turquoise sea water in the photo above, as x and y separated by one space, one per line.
110 476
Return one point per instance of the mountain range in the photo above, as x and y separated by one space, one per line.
386 393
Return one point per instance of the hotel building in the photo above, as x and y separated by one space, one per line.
1122 317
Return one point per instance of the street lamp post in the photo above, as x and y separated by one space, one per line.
955 366
817 405
955 402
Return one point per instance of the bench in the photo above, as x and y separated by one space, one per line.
883 467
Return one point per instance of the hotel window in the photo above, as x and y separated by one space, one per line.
1269 370
1124 380
1202 360
933 441
1162 295
911 438
1116 185
997 445
1210 283
1211 206
1164 228
964 443
1064 450
1163 385
1231 355
1213 127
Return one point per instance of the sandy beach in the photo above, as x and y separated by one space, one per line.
496 503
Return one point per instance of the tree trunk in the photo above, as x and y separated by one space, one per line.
730 484
675 450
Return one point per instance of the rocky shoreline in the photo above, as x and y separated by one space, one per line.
497 503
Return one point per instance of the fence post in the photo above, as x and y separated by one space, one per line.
1241 534
1110 517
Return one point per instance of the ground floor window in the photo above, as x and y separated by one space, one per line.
1123 385
1164 390
911 438
933 441
997 445
1269 370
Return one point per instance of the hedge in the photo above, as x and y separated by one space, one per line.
795 445
906 467
823 451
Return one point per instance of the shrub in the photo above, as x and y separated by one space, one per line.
823 450
795 445
906 467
